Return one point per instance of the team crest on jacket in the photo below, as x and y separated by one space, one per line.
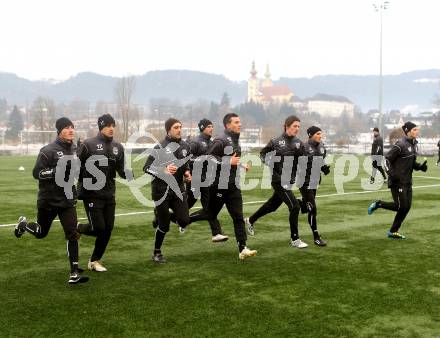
409 149
60 154
322 150
282 143
184 152
115 150
99 146
297 145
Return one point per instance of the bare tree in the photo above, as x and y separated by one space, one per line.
124 93
43 116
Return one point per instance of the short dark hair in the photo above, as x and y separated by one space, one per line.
289 120
376 129
228 117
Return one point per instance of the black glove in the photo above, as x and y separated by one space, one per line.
424 167
325 169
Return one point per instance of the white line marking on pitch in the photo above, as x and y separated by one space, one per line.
255 202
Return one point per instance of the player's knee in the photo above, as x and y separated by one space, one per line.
271 207
163 228
41 235
294 207
183 221
72 235
404 208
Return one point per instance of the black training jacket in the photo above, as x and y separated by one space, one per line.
283 146
225 145
50 195
316 154
198 146
162 155
114 152
377 146
401 161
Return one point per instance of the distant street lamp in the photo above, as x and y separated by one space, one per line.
380 7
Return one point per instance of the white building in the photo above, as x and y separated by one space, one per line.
330 105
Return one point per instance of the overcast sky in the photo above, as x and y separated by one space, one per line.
58 39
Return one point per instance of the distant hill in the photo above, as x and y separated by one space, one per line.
415 88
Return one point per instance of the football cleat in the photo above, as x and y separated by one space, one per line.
395 235
373 206
96 266
249 227
76 278
298 244
20 227
246 253
158 258
219 238
320 242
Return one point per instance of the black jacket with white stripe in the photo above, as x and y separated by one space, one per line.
169 151
51 195
401 161
286 148
113 151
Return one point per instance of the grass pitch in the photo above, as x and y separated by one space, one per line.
361 285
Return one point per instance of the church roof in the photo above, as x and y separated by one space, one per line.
275 91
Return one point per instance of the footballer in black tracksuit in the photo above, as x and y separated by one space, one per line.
316 154
438 145
377 157
52 198
401 160
286 148
166 187
198 147
100 204
225 189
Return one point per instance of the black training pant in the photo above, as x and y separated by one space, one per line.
204 199
234 203
162 211
377 166
68 220
402 196
179 208
279 196
101 215
309 201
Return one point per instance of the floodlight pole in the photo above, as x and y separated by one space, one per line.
380 8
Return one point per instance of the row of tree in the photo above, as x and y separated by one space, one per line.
44 111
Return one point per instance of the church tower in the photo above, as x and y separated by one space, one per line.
253 84
267 82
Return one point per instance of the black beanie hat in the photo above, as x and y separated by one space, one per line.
313 130
169 123
408 126
203 123
105 120
63 122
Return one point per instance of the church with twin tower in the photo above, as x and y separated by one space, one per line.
265 92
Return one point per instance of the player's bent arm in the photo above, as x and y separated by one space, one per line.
267 149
